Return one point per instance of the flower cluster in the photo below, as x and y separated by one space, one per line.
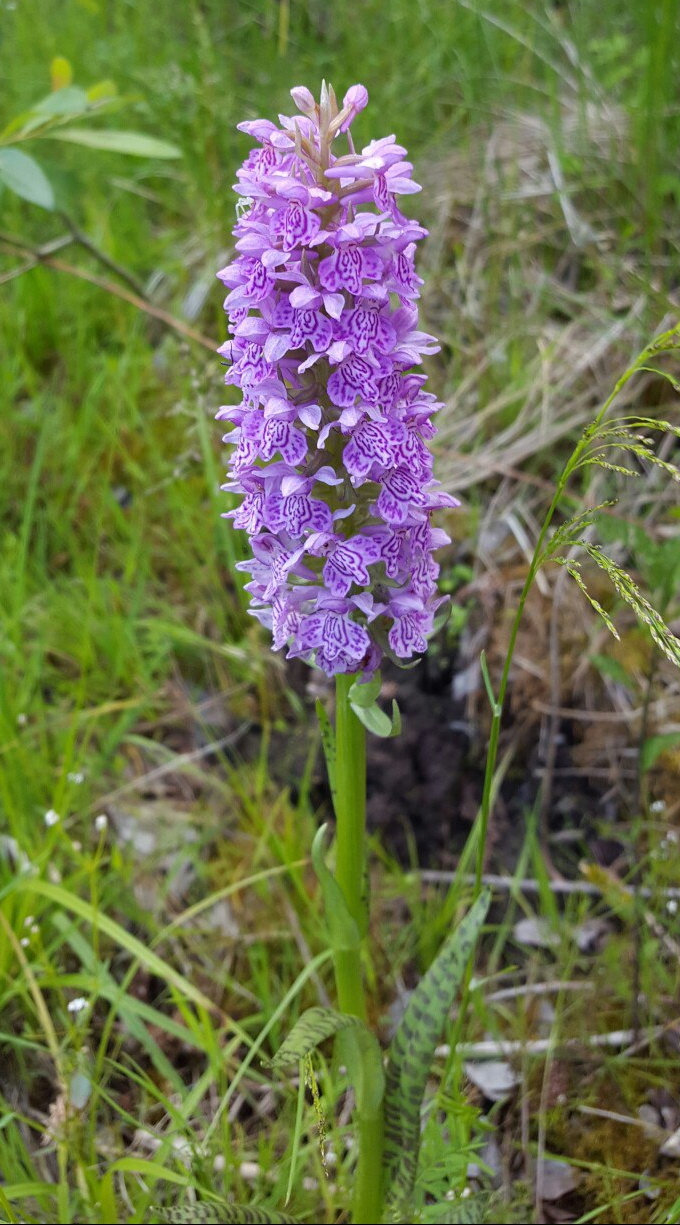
330 455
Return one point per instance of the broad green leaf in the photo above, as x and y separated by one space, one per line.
312 1028
71 100
207 1213
136 144
376 721
361 1053
365 693
411 1053
61 72
328 743
342 928
22 175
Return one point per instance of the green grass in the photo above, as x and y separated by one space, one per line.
124 647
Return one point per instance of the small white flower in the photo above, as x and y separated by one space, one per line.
75 776
657 806
101 822
24 942
672 906
22 719
35 930
29 920
77 1004
51 817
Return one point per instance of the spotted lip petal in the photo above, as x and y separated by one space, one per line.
329 456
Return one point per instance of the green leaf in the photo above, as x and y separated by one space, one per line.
654 746
364 693
206 1213
361 1053
71 100
376 721
312 1028
342 928
136 144
24 177
61 72
103 91
411 1053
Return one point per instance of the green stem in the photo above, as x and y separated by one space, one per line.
350 814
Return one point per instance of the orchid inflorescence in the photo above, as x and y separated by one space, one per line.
330 434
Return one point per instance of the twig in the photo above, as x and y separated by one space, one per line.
660 1132
500 1048
435 876
120 270
117 290
43 255
524 989
175 763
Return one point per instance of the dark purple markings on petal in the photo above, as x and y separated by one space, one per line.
424 572
297 512
414 454
250 514
336 635
251 368
321 519
237 316
343 269
353 377
295 225
406 275
381 195
285 620
366 329
373 442
390 390
406 637
283 314
371 265
259 282
313 326
348 564
396 554
248 449
400 490
282 436
265 159
310 634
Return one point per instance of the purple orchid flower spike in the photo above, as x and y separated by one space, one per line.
330 452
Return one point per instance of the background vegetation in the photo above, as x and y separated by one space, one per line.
158 765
